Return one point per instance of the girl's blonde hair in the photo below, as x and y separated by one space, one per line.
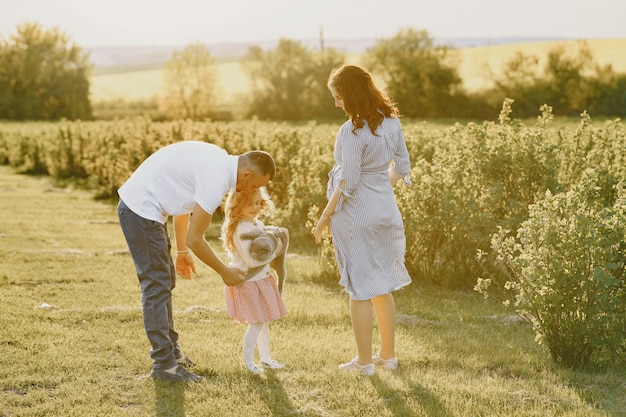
235 202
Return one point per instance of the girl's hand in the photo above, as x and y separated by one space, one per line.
322 224
185 265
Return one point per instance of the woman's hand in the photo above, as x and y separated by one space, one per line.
322 224
185 265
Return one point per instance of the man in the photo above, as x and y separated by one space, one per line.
186 180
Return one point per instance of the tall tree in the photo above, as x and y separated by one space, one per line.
43 75
568 81
289 82
190 83
416 73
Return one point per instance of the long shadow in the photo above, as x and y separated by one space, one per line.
607 383
396 401
271 391
169 398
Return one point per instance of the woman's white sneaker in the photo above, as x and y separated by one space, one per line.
391 363
354 365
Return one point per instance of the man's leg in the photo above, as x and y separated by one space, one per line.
149 246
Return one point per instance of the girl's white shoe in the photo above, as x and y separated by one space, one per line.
255 369
272 364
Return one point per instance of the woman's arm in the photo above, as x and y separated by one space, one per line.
401 166
331 206
393 176
324 221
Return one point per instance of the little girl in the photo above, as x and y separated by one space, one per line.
258 301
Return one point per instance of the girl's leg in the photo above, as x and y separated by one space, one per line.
385 308
362 324
264 343
250 338
264 349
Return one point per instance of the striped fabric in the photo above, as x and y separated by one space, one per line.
367 227
255 301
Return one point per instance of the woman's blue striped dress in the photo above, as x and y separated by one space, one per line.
367 229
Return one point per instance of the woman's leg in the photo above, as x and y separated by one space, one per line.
385 308
362 324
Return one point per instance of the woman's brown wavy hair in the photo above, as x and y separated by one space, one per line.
362 100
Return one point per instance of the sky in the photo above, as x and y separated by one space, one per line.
94 23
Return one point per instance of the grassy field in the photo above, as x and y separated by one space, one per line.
72 341
474 65
146 84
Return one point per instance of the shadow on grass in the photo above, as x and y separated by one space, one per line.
271 391
603 388
396 401
169 398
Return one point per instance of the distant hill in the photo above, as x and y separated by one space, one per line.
116 59
137 73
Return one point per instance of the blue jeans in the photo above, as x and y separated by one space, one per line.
149 245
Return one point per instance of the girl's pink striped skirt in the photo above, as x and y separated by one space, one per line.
255 301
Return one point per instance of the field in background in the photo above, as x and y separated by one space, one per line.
474 66
146 83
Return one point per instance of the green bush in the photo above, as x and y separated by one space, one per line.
479 177
566 273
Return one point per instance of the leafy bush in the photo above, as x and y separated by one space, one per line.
566 273
479 177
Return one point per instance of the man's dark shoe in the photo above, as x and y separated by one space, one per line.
181 375
185 361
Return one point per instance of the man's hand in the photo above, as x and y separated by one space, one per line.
233 277
185 265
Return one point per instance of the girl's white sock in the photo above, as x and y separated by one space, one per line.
250 338
264 343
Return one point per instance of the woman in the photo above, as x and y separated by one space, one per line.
362 213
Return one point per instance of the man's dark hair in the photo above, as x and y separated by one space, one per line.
260 163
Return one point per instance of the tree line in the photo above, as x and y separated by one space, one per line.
45 76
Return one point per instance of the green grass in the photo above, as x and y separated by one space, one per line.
72 341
